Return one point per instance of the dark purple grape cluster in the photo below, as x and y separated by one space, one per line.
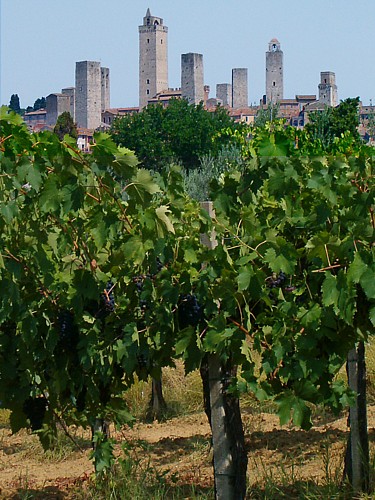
108 298
142 360
190 312
68 332
35 410
278 281
159 265
139 281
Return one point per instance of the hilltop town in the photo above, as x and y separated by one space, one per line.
89 100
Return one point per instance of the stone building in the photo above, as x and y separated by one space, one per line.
274 72
153 58
240 97
224 94
105 88
192 79
328 89
71 92
36 120
88 102
56 104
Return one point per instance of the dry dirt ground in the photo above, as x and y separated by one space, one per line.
181 446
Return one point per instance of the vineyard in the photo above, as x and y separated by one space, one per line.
107 280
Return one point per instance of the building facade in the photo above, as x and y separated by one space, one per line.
153 58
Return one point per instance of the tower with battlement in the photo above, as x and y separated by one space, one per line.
153 58
328 88
192 78
88 105
274 72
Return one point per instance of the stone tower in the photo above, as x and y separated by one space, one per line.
240 97
153 58
274 72
328 88
105 88
71 93
224 93
88 104
192 79
56 104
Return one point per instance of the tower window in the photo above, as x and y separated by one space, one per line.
148 40
161 41
147 92
274 84
147 81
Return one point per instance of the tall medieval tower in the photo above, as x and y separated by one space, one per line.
153 58
88 94
274 72
105 88
328 88
240 97
192 79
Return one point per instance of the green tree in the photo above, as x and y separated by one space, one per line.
180 133
328 126
40 103
65 125
14 103
268 114
345 118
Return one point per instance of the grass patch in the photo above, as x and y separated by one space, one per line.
182 393
135 478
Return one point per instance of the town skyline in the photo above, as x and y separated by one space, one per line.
38 58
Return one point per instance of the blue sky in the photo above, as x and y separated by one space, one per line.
42 39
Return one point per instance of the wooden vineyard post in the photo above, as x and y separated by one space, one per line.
223 411
357 456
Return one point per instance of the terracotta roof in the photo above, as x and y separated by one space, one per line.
243 111
118 111
38 127
288 101
308 97
41 111
316 105
85 131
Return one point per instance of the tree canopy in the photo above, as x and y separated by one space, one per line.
14 103
180 132
65 125
40 103
331 123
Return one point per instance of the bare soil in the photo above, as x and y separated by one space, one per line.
181 446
